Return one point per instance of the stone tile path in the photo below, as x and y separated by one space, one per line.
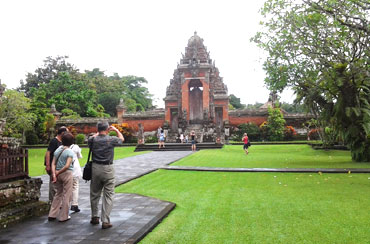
133 216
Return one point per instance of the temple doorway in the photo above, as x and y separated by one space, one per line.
195 102
219 116
174 119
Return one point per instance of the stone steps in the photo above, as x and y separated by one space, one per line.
177 147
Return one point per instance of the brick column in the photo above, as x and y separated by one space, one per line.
185 98
205 95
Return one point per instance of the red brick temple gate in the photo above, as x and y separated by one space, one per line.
196 98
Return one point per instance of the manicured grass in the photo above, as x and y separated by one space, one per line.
271 156
36 158
258 207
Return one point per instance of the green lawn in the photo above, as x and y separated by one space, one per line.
272 156
36 158
258 207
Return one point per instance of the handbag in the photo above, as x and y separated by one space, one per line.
87 173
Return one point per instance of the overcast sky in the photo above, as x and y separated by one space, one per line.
141 38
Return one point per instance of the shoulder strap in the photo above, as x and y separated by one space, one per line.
56 161
92 144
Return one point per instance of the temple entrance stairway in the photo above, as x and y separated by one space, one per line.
177 146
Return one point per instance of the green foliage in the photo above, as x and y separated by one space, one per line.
80 139
15 108
293 108
31 137
112 133
110 89
235 102
253 131
275 124
50 71
320 49
257 105
69 114
151 139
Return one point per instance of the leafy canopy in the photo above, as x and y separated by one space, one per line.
321 49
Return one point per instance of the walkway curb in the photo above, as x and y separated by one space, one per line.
281 170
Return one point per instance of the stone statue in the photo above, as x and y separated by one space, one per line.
140 134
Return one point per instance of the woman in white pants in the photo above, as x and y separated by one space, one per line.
77 174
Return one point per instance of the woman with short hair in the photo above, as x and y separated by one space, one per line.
62 177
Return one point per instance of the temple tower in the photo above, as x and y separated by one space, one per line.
196 96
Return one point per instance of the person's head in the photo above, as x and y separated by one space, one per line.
245 134
67 139
102 126
61 130
161 131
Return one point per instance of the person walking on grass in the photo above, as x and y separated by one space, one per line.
193 142
246 143
102 148
62 178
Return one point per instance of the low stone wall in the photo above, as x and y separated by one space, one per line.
20 200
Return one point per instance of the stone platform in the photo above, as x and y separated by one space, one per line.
133 216
177 146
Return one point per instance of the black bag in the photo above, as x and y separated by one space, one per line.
248 144
87 174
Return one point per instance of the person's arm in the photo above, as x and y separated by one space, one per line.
119 134
53 173
47 160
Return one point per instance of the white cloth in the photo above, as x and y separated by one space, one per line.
77 172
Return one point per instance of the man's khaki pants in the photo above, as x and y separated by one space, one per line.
102 179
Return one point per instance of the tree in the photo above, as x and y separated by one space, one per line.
15 108
275 124
253 131
66 93
50 70
257 105
321 49
235 102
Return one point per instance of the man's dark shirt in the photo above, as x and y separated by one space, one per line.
53 145
103 148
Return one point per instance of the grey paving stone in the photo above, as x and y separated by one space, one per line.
132 216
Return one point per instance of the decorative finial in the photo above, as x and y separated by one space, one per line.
195 33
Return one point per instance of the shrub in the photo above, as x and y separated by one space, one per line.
289 132
31 137
151 139
313 134
80 139
112 133
253 131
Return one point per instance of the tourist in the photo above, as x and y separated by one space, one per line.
186 138
161 139
77 174
159 132
53 145
62 178
102 148
246 143
182 138
193 142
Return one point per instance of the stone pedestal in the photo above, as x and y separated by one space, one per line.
19 200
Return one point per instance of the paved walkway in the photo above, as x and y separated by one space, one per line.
133 216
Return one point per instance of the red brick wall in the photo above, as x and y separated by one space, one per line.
149 125
235 121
